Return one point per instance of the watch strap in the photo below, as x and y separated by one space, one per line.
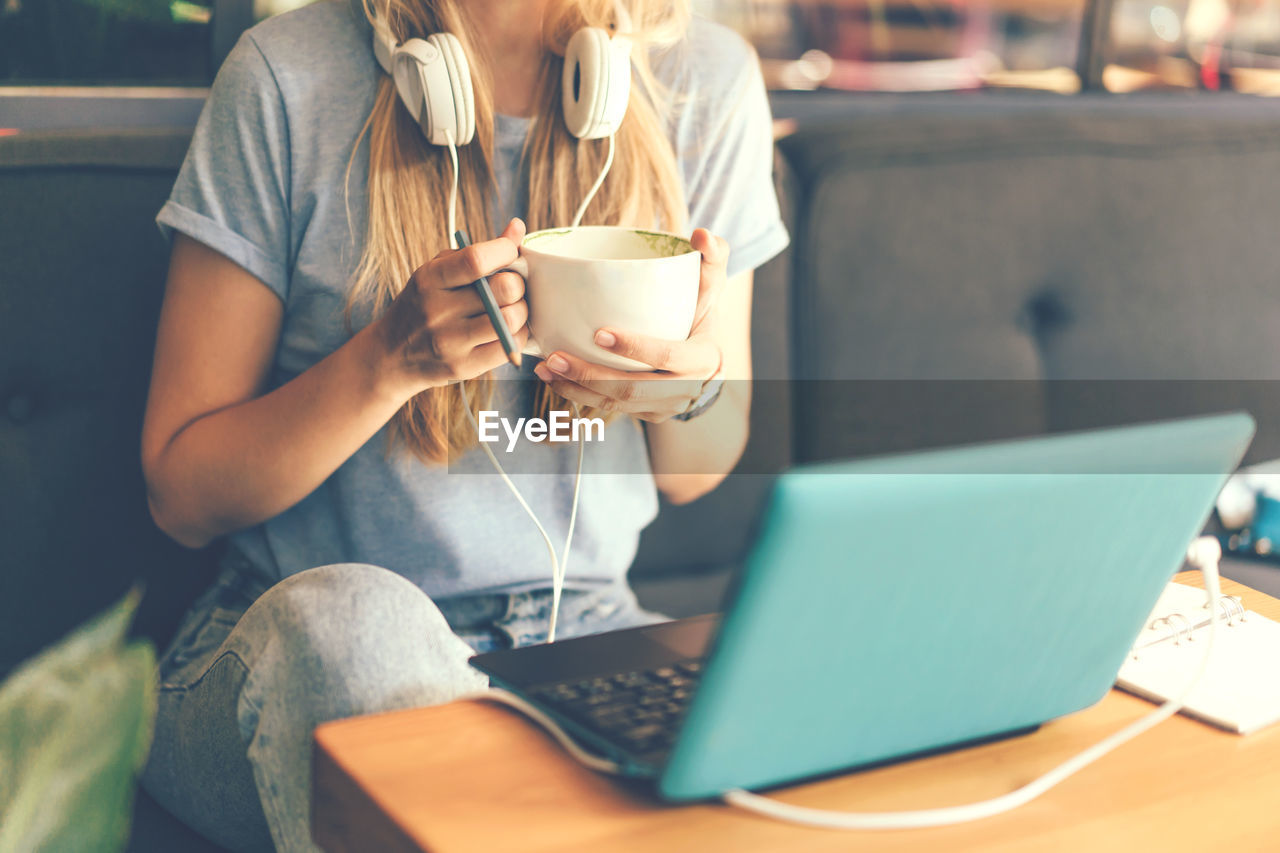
710 393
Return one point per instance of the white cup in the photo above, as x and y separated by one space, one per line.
579 280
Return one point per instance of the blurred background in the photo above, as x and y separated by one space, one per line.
842 45
1007 217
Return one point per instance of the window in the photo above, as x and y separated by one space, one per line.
906 45
1190 44
115 63
122 42
854 45
909 45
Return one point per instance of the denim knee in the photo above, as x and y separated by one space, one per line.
349 639
324 644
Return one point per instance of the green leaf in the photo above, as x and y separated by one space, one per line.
75 726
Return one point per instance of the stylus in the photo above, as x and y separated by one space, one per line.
491 307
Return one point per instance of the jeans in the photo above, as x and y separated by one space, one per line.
252 671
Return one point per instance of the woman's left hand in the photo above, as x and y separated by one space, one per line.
681 368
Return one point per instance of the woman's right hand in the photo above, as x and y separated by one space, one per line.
436 331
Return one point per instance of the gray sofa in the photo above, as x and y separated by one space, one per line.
971 267
962 268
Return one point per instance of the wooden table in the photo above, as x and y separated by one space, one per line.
471 776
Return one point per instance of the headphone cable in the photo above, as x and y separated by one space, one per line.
559 563
591 193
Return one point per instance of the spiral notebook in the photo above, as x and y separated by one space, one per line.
1240 691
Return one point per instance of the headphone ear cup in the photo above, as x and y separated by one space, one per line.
411 71
434 81
596 84
463 93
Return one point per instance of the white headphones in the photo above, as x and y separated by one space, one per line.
433 78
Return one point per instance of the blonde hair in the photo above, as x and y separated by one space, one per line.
409 179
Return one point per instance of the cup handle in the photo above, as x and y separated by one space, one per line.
520 267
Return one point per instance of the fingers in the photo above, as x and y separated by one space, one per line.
476 349
694 357
456 339
507 288
655 408
461 267
481 328
715 250
572 391
714 271
482 359
489 356
443 301
438 323
445 305
514 231
616 390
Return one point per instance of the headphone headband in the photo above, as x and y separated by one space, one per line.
433 78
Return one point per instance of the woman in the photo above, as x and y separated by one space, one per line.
304 401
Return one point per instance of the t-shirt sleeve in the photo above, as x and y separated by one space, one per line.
730 189
233 188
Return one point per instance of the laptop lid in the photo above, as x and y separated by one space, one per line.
901 604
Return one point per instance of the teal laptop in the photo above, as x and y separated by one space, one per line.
896 606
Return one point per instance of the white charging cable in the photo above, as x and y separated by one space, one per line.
1203 554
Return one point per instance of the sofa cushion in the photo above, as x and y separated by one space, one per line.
954 252
84 273
688 594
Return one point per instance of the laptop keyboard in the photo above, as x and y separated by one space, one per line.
639 711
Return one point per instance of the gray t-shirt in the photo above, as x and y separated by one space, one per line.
263 183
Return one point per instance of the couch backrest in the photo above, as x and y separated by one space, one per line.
80 287
949 254
954 251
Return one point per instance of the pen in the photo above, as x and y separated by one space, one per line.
491 307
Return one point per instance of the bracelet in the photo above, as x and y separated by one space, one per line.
710 393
